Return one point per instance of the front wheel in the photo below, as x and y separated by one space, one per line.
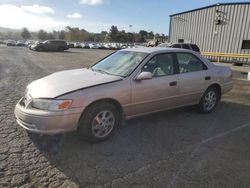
209 100
99 122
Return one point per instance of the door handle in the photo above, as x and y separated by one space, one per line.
208 78
173 83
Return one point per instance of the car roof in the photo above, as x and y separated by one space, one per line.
155 49
187 43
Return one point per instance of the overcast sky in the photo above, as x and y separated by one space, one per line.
95 15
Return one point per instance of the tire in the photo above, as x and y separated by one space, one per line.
209 100
99 122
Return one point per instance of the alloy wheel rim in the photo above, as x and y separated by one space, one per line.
210 100
103 123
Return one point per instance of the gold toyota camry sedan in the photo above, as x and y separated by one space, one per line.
125 84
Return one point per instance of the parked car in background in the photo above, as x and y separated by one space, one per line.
104 46
188 46
165 44
86 45
94 46
32 42
50 45
126 84
152 43
77 45
70 45
11 43
21 43
28 43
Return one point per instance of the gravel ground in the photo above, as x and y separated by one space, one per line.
177 148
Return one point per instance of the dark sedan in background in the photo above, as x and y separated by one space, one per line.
50 45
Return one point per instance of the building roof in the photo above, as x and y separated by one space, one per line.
213 5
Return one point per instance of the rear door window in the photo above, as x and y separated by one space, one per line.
189 63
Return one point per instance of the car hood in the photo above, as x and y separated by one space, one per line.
63 82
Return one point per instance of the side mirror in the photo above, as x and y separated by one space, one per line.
144 76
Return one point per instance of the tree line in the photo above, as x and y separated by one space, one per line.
77 34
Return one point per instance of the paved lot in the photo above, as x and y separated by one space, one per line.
178 148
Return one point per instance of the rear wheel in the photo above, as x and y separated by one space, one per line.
99 122
209 100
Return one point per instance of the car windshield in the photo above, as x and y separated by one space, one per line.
121 63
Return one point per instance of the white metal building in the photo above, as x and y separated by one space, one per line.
221 28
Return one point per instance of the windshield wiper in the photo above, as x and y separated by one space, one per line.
104 72
100 70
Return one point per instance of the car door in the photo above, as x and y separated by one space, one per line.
48 45
194 78
53 45
159 92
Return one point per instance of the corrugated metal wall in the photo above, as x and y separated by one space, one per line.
199 27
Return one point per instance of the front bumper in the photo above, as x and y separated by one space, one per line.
47 122
226 87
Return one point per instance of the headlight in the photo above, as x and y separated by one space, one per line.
51 105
